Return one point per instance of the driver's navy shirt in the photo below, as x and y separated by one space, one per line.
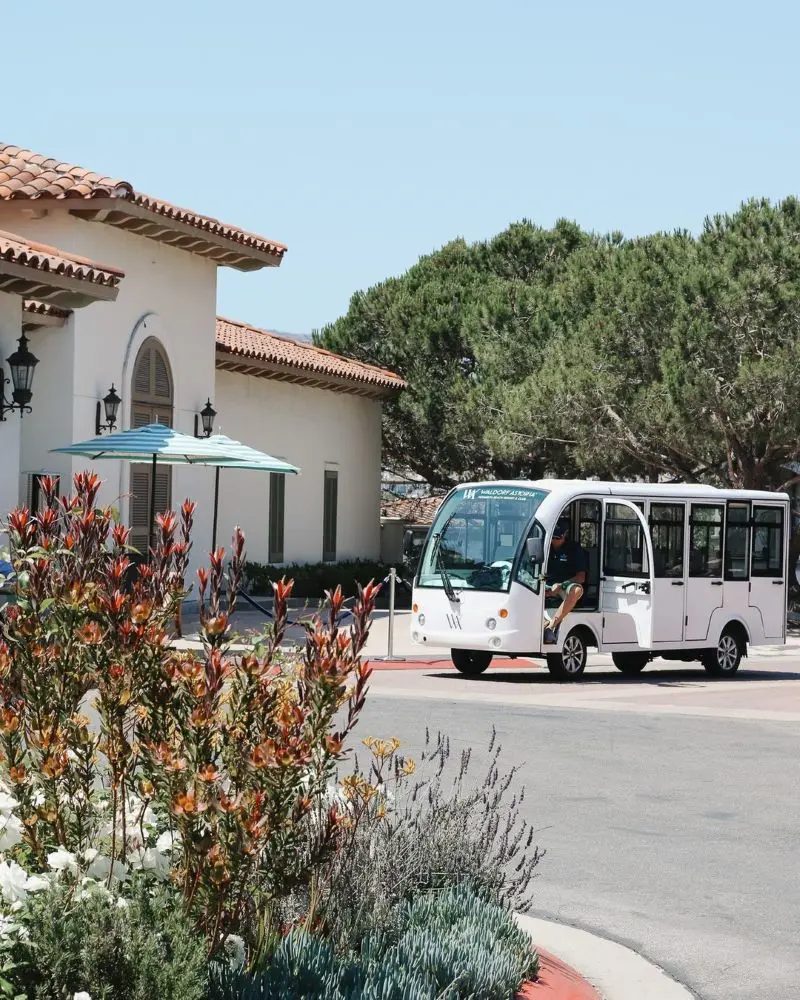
564 563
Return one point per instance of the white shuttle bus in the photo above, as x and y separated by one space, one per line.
679 571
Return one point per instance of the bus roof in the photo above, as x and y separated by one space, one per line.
571 487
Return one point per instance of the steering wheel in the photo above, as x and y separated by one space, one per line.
505 567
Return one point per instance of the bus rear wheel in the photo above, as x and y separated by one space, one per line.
630 663
569 664
470 662
724 659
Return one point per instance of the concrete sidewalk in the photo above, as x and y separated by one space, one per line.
617 972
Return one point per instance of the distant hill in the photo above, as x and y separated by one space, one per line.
304 337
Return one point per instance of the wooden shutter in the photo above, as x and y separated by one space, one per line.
140 416
329 516
152 382
162 386
140 506
141 377
277 487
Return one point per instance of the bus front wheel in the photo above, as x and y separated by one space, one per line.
569 664
630 663
470 662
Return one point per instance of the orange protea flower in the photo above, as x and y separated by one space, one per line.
201 717
187 804
54 766
228 803
91 634
140 612
264 754
216 626
208 773
9 721
333 744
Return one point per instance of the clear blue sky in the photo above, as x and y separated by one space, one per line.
366 134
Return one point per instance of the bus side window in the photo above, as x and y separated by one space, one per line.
705 536
737 541
624 552
767 558
666 530
528 572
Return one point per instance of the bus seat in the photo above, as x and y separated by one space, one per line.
591 589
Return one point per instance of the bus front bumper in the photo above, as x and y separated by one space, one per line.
509 641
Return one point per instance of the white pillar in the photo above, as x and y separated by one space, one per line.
10 430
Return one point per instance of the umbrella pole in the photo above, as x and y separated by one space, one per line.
152 510
216 509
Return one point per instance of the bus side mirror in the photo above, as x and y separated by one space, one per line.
535 547
408 542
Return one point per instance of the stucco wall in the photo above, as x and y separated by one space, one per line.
166 293
10 329
314 429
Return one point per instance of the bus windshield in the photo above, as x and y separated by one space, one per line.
475 537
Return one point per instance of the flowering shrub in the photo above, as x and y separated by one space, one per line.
200 771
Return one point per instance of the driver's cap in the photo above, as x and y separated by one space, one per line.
560 530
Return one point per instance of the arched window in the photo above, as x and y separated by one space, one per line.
151 403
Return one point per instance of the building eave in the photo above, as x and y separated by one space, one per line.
142 221
233 362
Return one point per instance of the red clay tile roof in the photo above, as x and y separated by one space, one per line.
27 175
249 342
17 250
412 510
33 307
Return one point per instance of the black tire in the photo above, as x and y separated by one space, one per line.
470 662
569 664
630 663
724 659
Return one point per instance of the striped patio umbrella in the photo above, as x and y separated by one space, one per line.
164 445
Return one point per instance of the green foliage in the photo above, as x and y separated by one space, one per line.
451 827
559 352
450 945
210 763
312 580
443 326
146 950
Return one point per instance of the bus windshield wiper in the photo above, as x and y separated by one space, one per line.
447 583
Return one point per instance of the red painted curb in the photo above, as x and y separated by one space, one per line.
557 981
446 664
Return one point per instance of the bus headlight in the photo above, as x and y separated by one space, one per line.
491 624
421 619
494 642
415 636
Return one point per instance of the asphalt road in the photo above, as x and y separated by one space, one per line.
676 834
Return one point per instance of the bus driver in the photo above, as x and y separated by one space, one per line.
566 574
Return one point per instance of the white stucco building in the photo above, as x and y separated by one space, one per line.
146 320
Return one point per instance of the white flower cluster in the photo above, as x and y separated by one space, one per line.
94 871
10 825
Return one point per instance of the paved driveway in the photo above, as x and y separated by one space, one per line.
668 804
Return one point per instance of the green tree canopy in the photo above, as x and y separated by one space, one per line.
556 351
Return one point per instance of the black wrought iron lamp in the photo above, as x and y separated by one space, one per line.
22 364
206 415
110 404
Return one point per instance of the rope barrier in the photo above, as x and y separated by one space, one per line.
342 614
